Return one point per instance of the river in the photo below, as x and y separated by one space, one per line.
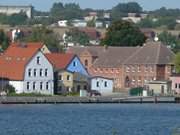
90 119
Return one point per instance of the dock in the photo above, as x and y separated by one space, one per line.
86 100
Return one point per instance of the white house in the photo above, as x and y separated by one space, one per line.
79 23
27 69
101 84
62 23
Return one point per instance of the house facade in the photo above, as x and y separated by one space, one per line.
128 66
26 68
70 74
102 85
175 78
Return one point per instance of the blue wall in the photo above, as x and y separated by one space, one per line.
77 66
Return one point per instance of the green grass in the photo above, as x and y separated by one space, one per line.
28 95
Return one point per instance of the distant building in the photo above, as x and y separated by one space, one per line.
25 67
129 66
70 74
102 85
9 10
62 23
79 23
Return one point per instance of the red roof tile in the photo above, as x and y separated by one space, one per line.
59 60
15 58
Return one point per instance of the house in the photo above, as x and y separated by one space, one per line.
27 69
70 73
102 85
158 87
62 23
175 78
98 24
71 82
93 35
129 66
79 23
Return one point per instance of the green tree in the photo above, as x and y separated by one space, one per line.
122 33
177 62
45 35
76 36
91 23
4 40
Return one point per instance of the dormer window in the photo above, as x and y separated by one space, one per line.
29 72
74 63
38 60
86 63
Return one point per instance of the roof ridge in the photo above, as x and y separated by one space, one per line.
138 50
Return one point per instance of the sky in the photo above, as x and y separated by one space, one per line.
45 5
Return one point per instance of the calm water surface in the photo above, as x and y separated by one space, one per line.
89 119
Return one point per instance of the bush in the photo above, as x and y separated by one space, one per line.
136 91
9 89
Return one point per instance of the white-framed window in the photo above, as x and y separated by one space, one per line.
46 72
68 77
146 68
41 72
139 68
38 60
127 69
41 85
132 68
60 77
74 63
47 85
105 84
97 84
34 85
29 72
152 69
28 85
34 72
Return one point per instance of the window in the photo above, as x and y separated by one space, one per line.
60 77
146 68
152 69
86 62
27 85
41 85
105 84
29 72
47 85
60 88
46 72
127 68
97 84
38 60
40 72
74 63
179 86
139 68
34 72
68 77
176 85
34 85
132 68
85 87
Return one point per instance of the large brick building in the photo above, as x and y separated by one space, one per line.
128 66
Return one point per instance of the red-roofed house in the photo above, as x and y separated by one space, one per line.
70 74
26 68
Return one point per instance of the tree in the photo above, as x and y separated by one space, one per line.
45 35
122 33
177 62
4 40
76 36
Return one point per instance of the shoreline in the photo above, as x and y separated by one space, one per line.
87 100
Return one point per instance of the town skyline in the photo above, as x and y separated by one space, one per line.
94 4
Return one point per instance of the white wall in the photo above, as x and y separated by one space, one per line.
18 85
102 88
44 64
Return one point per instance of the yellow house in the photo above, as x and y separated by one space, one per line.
71 82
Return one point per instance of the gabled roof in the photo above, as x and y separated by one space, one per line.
151 53
15 58
60 60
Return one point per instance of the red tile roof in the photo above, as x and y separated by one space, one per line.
15 58
60 60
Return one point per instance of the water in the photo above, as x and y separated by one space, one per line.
89 119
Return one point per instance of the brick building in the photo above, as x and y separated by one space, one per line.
128 66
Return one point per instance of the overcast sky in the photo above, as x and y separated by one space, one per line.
45 5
